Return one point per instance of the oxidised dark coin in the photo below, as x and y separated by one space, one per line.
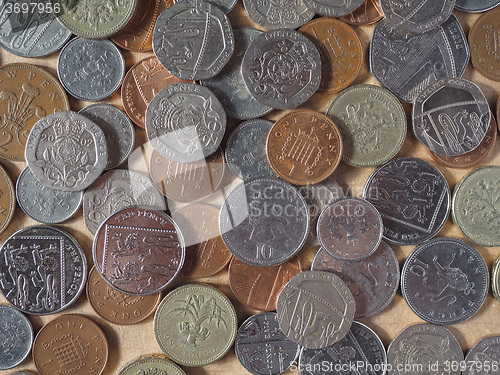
483 358
16 337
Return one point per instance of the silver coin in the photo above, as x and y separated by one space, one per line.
185 122
451 116
116 190
405 63
45 205
282 68
16 337
264 222
475 6
66 151
42 270
118 130
193 39
315 309
90 69
225 5
333 8
278 14
484 357
229 86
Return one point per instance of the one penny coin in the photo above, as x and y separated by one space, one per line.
367 13
483 44
7 199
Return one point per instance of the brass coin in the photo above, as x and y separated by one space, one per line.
483 40
151 365
495 279
304 147
367 13
7 199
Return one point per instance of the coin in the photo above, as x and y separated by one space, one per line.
476 5
413 198
90 69
43 270
16 337
264 222
262 348
151 365
195 325
27 94
483 48
278 15
178 44
333 8
258 287
304 147
23 373
367 13
282 68
70 343
225 5
495 279
315 309
372 122
116 307
7 200
340 51
66 151
483 358
372 281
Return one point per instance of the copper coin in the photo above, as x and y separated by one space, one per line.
141 84
206 253
367 13
137 35
340 50
7 199
27 94
304 147
70 344
258 287
187 182
483 41
117 307
138 251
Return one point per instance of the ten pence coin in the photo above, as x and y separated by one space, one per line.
7 199
333 8
151 365
16 336
482 36
367 13
475 6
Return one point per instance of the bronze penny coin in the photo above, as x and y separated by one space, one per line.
187 182
367 13
70 344
7 199
27 94
206 253
138 251
483 41
304 147
258 287
117 307
340 50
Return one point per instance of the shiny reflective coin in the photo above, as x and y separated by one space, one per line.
413 198
406 62
193 39
483 49
315 309
185 122
42 269
264 222
262 348
282 68
372 122
66 151
151 365
22 373
484 357
229 86
258 287
367 13
476 5
195 325
225 5
17 337
333 8
495 279
7 200
445 281
451 116
45 205
304 147
372 281
277 15
90 69
138 251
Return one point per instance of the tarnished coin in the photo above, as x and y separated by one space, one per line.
90 69
315 309
484 357
7 199
406 62
278 14
372 281
195 325
264 222
476 6
66 151
71 343
262 348
372 122
45 205
185 122
193 39
340 51
16 337
116 307
138 251
423 349
445 281
151 365
367 13
27 94
482 36
304 147
42 270
413 198
495 279
258 287
333 8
